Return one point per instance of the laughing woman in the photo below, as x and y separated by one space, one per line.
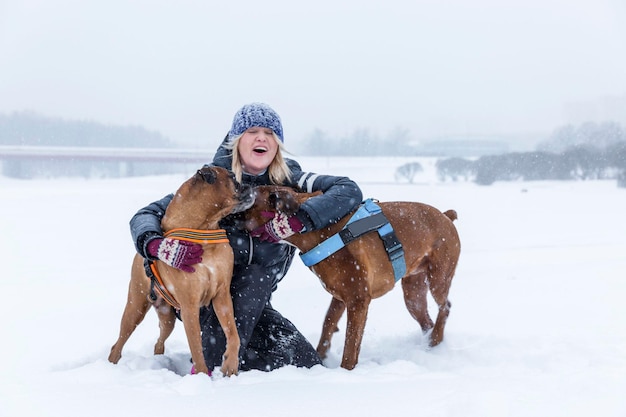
253 151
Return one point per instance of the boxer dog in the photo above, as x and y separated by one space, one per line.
361 270
193 214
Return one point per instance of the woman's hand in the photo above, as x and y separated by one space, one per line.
279 227
177 253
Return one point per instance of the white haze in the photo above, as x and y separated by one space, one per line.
512 70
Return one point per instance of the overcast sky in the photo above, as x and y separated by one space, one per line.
437 68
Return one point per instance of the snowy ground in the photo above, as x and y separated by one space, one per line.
537 326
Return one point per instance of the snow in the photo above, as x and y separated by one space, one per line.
537 325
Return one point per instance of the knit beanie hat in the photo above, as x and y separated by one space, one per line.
256 114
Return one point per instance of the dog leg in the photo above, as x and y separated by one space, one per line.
190 316
436 336
415 292
442 268
167 321
334 313
223 307
137 305
439 291
357 316
133 315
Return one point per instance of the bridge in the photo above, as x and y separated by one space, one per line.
32 161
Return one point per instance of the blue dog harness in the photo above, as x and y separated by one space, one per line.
368 217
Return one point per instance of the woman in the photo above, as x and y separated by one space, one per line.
252 150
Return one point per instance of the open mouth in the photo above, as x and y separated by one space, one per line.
260 150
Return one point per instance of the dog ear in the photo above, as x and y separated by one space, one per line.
284 201
273 200
208 175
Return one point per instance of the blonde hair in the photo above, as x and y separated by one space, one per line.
278 170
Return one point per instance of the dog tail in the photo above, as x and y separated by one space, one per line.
451 214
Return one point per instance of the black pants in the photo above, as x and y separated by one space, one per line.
268 340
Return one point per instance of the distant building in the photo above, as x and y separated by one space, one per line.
462 147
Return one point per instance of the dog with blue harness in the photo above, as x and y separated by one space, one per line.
363 255
368 218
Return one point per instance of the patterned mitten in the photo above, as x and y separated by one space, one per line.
177 253
279 227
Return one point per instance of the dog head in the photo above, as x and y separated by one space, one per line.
273 198
207 197
242 196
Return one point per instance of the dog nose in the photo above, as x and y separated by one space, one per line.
248 193
234 180
245 189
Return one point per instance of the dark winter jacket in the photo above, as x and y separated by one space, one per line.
341 196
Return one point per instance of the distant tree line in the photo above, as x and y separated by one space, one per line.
31 129
588 151
598 135
361 142
585 152
575 163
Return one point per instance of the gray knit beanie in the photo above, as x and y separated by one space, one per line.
256 114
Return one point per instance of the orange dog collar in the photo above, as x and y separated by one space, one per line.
198 236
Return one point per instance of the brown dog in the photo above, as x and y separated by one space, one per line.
197 206
361 270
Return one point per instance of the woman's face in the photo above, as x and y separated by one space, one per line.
257 149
